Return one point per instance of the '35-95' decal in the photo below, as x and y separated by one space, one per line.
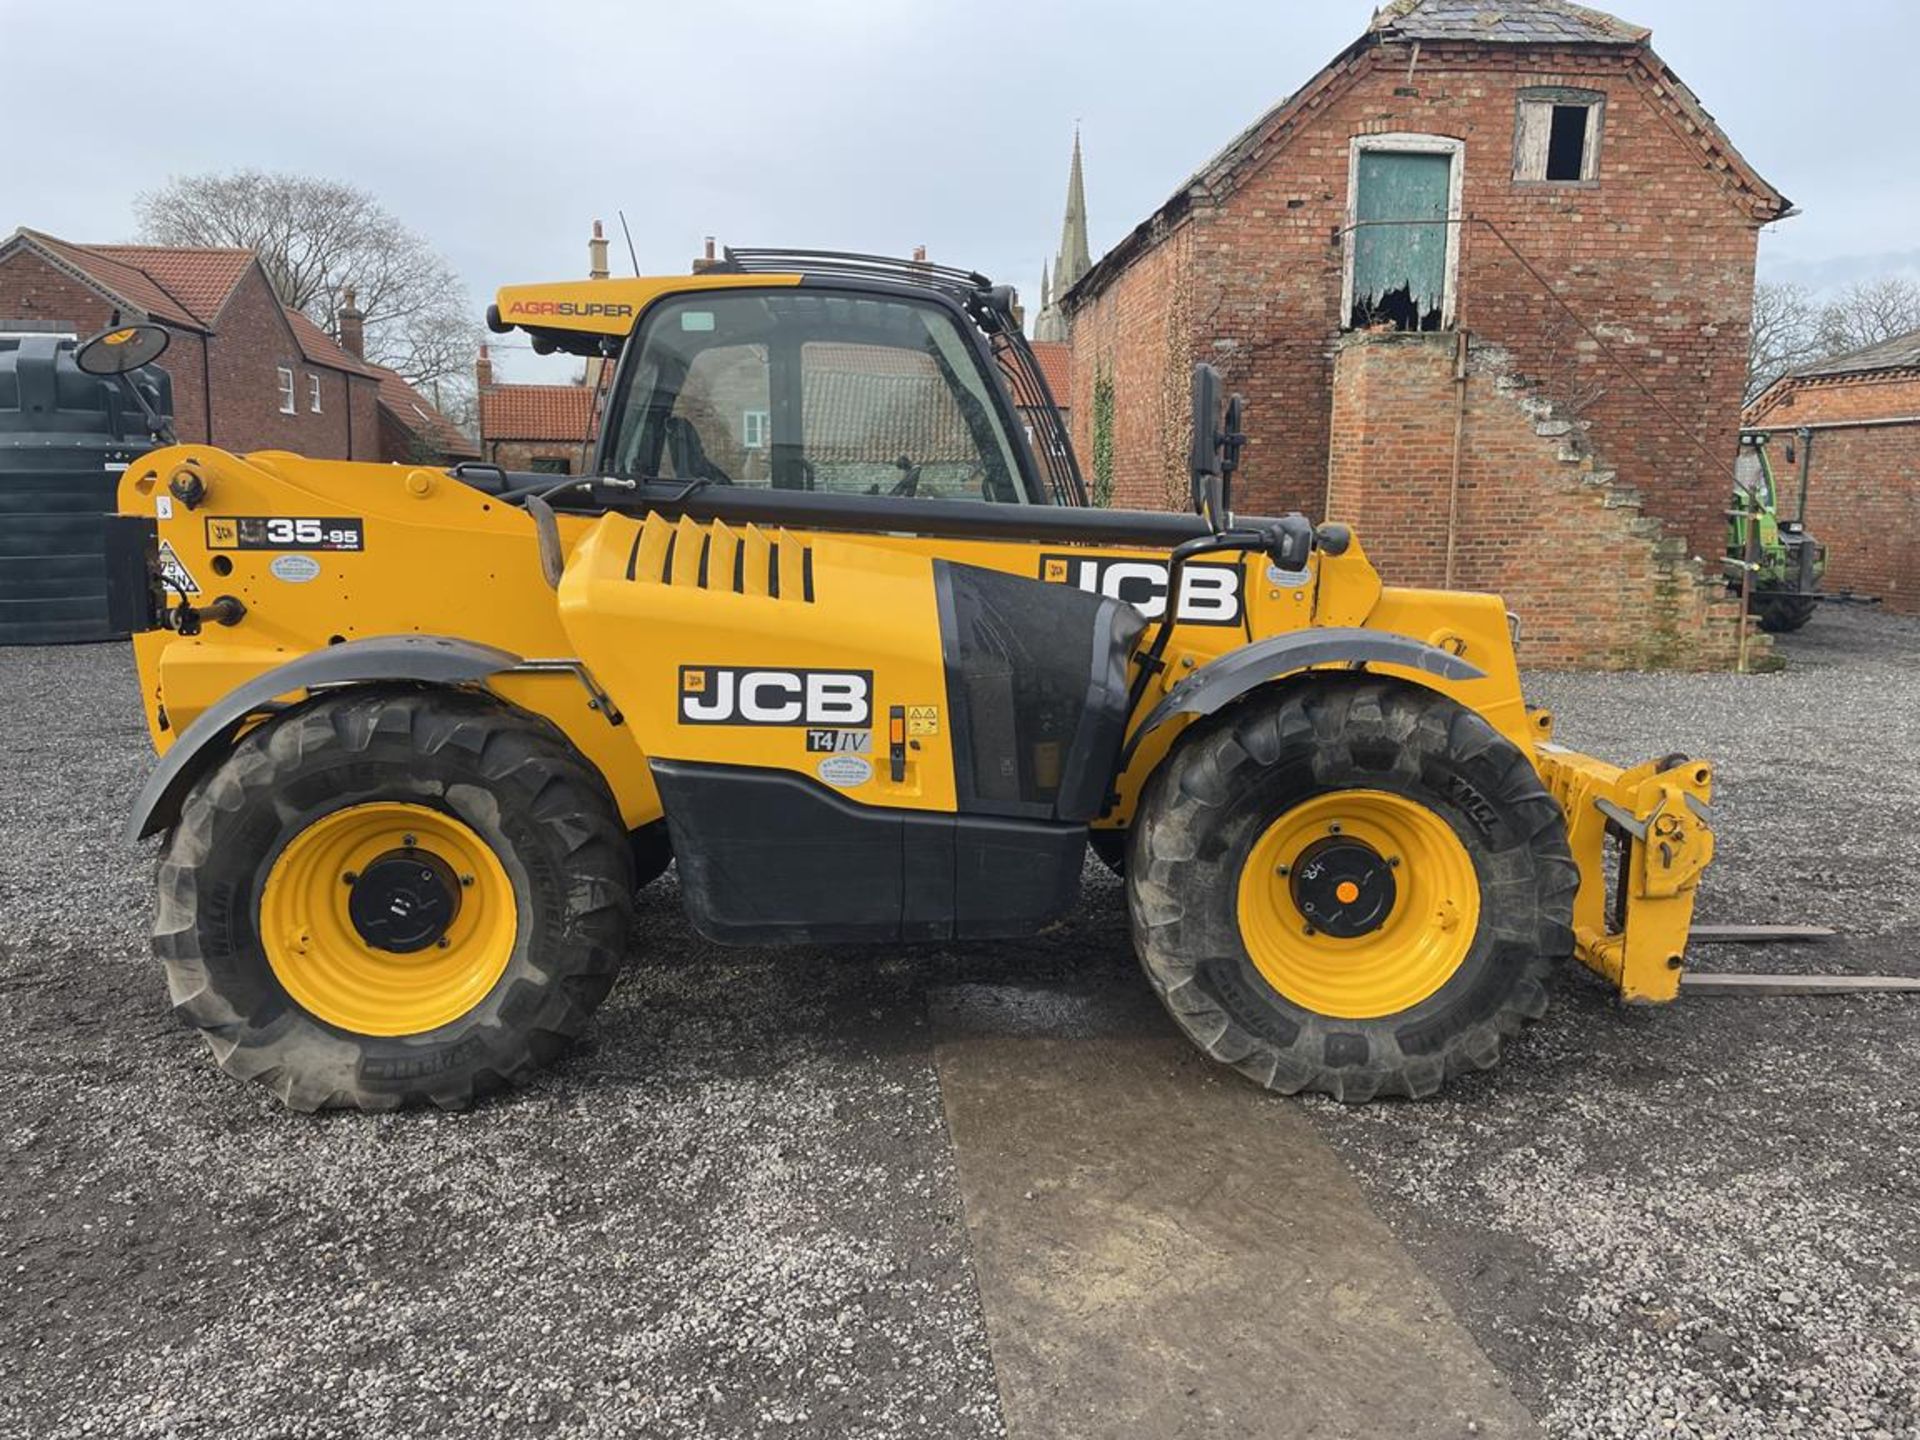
284 532
745 695
1209 590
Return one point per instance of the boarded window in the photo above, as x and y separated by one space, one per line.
1402 202
1557 137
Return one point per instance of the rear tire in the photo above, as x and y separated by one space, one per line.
522 831
1781 614
1485 893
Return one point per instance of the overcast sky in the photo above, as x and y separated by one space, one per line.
500 131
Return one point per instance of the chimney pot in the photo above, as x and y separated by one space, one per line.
597 254
919 254
483 368
352 324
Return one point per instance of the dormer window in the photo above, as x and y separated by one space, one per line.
1557 136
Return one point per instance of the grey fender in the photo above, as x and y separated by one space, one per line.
431 659
1214 686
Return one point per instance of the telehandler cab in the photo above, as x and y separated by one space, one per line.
829 623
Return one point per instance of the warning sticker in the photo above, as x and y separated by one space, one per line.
923 720
177 577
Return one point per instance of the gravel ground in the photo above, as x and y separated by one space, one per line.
734 1213
1704 1220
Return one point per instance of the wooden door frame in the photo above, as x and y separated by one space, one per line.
1406 142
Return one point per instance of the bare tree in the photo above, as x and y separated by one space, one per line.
316 240
1785 334
1869 311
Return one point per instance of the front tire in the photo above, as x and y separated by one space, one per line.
388 897
1782 614
1353 887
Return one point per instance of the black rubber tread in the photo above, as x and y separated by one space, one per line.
509 774
1231 776
1780 614
652 853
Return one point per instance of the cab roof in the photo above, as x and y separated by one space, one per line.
592 317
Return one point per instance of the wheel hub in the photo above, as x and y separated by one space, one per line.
388 918
404 901
1343 887
1358 903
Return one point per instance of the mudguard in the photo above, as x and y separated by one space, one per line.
431 659
1214 686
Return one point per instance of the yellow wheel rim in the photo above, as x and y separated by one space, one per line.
412 867
1411 945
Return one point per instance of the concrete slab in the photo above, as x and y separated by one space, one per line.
1164 1251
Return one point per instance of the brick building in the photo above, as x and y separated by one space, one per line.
1526 174
534 427
248 374
1858 416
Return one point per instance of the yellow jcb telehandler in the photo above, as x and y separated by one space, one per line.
828 625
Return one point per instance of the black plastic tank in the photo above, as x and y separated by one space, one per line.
65 438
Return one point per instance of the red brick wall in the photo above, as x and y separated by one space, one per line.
1141 335
1595 581
31 289
1887 395
1863 502
520 454
238 363
1657 255
252 341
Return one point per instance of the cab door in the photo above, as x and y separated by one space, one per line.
852 738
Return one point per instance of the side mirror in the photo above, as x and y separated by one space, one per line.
1216 447
1205 457
123 348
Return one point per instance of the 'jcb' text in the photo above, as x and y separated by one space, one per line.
1209 592
739 695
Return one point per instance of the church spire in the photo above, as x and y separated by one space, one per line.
1073 261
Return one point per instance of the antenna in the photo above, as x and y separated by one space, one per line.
630 251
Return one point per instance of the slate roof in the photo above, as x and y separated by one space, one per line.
1513 22
536 412
1900 353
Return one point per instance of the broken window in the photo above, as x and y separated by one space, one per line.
1557 138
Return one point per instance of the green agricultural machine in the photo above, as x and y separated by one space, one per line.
1776 561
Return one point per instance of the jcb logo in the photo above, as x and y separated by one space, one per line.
737 695
1209 592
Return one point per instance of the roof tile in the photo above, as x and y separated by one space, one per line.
200 279
536 412
1900 353
415 413
322 349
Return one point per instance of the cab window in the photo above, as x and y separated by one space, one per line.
813 391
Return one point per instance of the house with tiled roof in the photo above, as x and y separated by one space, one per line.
1855 418
248 374
534 427
1515 201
